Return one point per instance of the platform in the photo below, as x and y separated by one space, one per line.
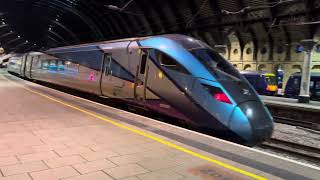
47 134
290 103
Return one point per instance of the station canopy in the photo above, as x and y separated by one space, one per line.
40 24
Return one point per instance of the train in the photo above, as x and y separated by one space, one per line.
175 75
263 83
293 86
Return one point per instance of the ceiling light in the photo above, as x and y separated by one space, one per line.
113 7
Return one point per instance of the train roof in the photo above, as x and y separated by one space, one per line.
186 41
96 43
315 74
33 53
256 73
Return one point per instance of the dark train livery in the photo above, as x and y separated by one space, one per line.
293 86
263 83
175 75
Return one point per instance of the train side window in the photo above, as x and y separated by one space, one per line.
44 64
311 84
143 64
37 62
53 65
296 82
317 85
60 65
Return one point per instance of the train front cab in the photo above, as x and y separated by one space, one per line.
263 83
212 99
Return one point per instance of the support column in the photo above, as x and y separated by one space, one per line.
304 96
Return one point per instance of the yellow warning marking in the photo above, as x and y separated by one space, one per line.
172 145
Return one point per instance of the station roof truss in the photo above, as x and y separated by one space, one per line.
40 24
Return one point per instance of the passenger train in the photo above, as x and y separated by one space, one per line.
173 74
263 83
293 86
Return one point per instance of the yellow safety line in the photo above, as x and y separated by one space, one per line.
172 145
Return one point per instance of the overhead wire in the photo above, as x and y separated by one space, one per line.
189 22
264 6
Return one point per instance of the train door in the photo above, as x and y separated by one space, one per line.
111 83
23 66
29 61
141 79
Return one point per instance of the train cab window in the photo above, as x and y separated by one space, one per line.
215 63
38 64
170 63
271 80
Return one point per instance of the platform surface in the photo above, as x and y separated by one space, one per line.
46 134
290 102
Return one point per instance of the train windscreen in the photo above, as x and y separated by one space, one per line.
271 80
216 64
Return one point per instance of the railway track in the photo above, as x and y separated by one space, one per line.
297 122
300 151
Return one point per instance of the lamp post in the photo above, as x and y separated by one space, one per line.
304 96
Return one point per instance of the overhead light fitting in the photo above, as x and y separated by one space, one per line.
112 7
116 8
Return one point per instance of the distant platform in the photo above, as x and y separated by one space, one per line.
289 102
48 134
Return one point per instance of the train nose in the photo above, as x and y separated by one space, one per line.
252 122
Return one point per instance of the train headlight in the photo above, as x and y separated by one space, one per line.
160 75
249 112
